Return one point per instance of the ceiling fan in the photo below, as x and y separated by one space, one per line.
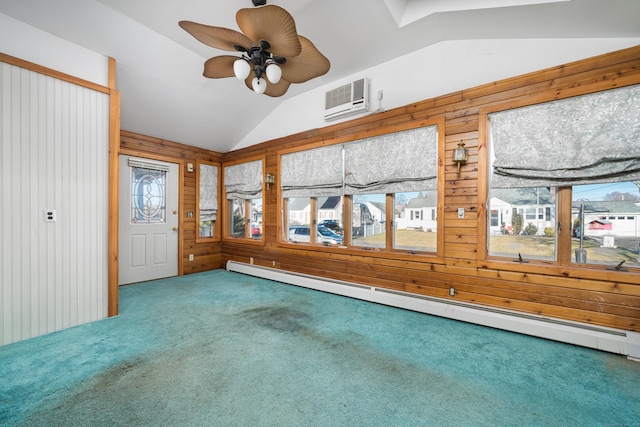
269 46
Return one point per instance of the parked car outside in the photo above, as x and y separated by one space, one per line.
328 233
256 231
331 224
302 234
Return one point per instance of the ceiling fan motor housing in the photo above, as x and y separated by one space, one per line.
258 58
259 2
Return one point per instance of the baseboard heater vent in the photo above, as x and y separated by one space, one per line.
601 338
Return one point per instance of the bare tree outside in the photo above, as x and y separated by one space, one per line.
616 195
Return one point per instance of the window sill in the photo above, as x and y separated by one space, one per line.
365 252
207 239
552 268
244 241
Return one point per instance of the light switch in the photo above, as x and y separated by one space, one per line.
460 213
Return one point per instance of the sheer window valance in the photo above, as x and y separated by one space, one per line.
312 173
244 180
396 162
588 139
208 192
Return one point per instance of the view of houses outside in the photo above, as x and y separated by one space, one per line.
607 226
518 212
330 209
415 218
521 222
244 212
416 221
368 221
299 211
605 223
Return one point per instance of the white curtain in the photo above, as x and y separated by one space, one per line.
312 173
244 180
395 162
587 139
208 192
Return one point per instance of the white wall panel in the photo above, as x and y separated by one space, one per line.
53 156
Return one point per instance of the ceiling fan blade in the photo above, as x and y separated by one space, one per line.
218 37
273 90
273 24
306 66
219 67
278 89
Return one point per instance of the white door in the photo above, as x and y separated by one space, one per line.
148 236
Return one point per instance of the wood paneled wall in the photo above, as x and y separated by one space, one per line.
592 295
207 254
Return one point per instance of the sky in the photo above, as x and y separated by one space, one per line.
596 192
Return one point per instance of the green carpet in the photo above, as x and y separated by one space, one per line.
225 349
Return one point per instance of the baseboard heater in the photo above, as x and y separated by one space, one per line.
601 338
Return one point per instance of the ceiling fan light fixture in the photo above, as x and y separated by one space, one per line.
259 85
241 69
274 73
270 46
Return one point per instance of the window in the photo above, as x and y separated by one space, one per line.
207 200
594 141
419 233
327 230
243 199
527 235
311 184
494 218
388 182
602 238
298 215
530 213
246 218
329 212
385 169
148 199
368 216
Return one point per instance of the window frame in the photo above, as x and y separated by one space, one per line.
563 264
388 251
215 228
226 206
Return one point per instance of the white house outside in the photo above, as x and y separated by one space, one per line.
534 206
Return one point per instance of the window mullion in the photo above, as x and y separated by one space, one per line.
313 221
247 218
346 229
389 225
564 226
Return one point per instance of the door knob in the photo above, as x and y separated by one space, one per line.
175 228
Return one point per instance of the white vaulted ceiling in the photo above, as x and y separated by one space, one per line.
159 66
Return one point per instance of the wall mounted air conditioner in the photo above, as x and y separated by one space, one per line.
347 100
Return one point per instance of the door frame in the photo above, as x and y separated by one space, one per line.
178 170
114 209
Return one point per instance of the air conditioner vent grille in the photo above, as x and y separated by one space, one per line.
347 100
338 96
